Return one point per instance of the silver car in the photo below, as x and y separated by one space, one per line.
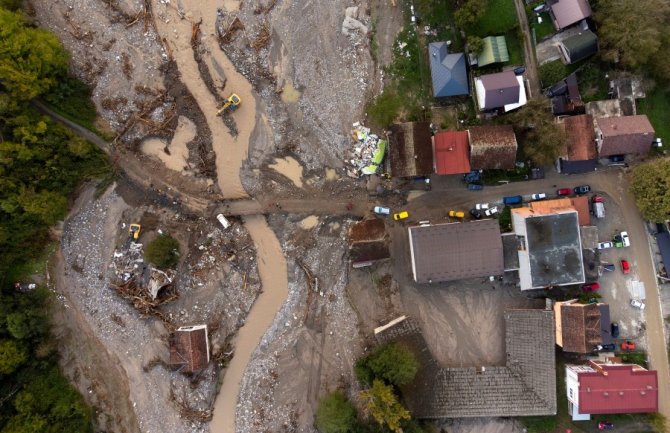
605 245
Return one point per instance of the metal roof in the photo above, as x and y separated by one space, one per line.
494 51
448 71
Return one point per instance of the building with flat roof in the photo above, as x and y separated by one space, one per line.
549 246
447 252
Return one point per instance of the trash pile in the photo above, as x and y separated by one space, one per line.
368 152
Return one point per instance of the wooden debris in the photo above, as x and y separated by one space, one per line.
188 412
195 32
141 300
265 9
262 39
229 34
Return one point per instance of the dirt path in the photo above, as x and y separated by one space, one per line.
272 269
529 51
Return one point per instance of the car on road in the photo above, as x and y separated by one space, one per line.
475 187
625 266
605 347
605 425
456 214
538 196
563 191
514 199
380 210
476 214
582 189
614 329
401 215
605 245
482 206
491 212
628 345
223 220
625 239
637 304
590 287
608 267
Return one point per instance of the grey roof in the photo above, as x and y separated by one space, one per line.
581 45
510 252
554 248
446 252
576 167
605 324
524 386
501 89
663 241
449 73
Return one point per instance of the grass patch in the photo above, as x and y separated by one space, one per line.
593 85
552 72
639 358
514 47
657 107
500 17
505 219
544 29
493 177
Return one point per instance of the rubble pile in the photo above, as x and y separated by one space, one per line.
352 21
367 153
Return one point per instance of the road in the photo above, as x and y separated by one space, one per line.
529 51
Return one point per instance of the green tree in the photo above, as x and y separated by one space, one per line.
475 44
335 414
393 363
163 251
12 355
31 59
650 185
543 140
469 13
630 32
383 406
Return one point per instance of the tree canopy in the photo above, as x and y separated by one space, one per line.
383 406
392 363
163 251
335 414
542 139
650 185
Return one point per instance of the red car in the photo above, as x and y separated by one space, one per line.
563 191
625 267
590 287
628 345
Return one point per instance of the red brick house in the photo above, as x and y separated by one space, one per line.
189 349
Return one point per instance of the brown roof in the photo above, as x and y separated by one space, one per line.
581 204
446 252
568 12
492 147
411 149
625 135
547 207
369 251
189 348
367 230
580 327
581 138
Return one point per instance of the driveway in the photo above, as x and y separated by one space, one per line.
451 194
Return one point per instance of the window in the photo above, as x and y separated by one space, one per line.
570 392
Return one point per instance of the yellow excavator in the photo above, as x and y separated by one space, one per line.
231 104
134 231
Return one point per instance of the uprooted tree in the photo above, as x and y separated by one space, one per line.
650 185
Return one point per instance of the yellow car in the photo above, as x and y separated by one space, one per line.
456 214
400 215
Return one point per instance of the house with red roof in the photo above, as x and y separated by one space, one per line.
608 386
452 152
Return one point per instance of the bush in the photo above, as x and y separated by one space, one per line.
163 252
385 108
392 363
335 414
505 219
552 72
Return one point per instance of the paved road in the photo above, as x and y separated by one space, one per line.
529 51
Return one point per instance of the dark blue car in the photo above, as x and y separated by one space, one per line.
475 187
515 199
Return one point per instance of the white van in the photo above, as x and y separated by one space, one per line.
224 222
599 210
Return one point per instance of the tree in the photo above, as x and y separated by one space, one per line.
543 140
469 13
163 251
650 185
12 355
630 31
31 59
393 363
383 405
475 44
335 414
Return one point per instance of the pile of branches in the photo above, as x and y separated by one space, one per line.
228 34
141 299
188 412
262 39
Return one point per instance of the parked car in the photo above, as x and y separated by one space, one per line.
223 220
538 196
614 329
401 215
482 206
628 345
608 267
476 214
475 187
606 347
598 209
515 199
598 199
590 287
605 425
637 304
618 243
563 191
617 158
456 214
605 245
473 176
625 266
582 189
625 239
382 210
491 212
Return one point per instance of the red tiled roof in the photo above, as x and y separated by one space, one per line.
581 205
624 389
452 152
581 144
189 348
624 135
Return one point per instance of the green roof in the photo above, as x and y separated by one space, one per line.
494 51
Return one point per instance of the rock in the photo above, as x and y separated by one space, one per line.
351 12
353 24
